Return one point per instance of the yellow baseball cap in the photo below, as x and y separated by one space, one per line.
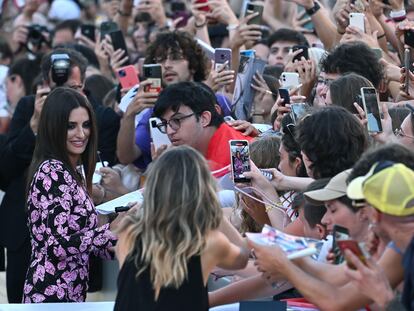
388 186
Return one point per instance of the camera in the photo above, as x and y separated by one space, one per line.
60 68
122 73
35 36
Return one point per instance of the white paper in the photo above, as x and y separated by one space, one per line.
96 178
109 207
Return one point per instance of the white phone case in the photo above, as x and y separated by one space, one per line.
357 20
158 138
289 80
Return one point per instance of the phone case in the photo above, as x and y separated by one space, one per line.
88 31
127 76
153 73
357 20
205 8
107 27
240 160
289 80
221 55
252 8
407 65
284 94
298 111
118 42
304 52
158 138
354 247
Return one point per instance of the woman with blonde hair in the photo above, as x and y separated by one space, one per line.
168 248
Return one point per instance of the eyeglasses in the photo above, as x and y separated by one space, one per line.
400 133
174 123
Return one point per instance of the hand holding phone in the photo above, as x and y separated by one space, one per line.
284 94
289 80
339 233
221 56
240 160
88 31
355 248
304 52
158 138
253 8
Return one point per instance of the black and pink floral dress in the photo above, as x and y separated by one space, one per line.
63 228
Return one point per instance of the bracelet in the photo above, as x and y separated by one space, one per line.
232 26
202 25
124 14
313 9
398 16
381 36
269 207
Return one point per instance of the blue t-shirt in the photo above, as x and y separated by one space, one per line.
408 264
143 136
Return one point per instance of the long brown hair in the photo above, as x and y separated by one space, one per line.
53 131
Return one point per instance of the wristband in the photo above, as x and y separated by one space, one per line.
200 26
381 36
313 9
398 16
232 26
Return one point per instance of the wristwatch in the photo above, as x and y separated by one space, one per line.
313 9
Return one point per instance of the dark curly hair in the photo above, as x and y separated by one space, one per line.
354 57
333 140
390 152
291 145
286 34
179 42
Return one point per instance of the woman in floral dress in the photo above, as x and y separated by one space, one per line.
62 219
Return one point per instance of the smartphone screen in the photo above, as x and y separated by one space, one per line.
221 55
298 111
240 160
371 107
354 247
153 73
338 234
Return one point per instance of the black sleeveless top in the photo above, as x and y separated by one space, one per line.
138 294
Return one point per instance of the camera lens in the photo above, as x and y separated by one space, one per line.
153 123
122 73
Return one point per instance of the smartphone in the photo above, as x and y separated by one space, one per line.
221 55
339 233
118 42
354 247
127 76
378 52
284 94
158 138
205 8
88 31
407 65
304 52
289 80
252 8
371 107
107 27
357 20
153 73
240 160
178 10
409 37
298 111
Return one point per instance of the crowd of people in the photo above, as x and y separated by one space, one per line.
318 93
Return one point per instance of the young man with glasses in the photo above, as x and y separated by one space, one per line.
189 117
181 60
